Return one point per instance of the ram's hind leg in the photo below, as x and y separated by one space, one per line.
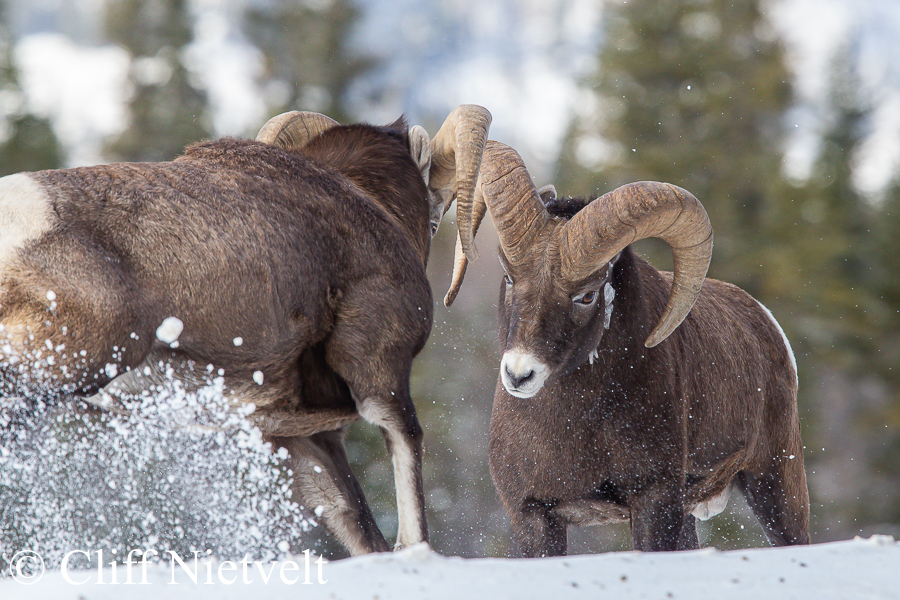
780 500
322 477
70 319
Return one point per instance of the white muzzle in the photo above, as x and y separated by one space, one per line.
522 373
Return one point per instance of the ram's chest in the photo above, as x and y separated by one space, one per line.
554 451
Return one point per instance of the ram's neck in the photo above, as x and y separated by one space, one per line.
640 295
381 166
410 216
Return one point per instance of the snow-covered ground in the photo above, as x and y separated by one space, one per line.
852 570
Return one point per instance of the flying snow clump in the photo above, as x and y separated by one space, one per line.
171 469
169 330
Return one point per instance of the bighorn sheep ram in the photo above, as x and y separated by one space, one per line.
591 423
309 244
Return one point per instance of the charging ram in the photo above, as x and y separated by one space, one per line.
308 245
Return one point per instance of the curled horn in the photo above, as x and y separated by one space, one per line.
456 159
292 130
460 262
505 187
634 212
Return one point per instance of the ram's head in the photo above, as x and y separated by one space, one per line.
449 163
556 297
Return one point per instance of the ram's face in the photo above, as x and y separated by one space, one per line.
548 326
439 200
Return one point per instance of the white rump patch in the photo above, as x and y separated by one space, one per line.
24 213
169 330
707 510
787 344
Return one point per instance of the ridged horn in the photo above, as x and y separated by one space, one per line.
634 212
292 130
504 187
460 262
515 205
456 159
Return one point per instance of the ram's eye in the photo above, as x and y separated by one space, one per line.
507 279
585 298
434 228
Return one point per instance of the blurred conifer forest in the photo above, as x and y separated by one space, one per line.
692 92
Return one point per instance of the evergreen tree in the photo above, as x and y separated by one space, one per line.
888 254
692 93
309 64
27 142
831 237
887 461
838 276
168 109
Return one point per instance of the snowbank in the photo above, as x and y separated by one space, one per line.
858 569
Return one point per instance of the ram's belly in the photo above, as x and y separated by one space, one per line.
587 512
710 507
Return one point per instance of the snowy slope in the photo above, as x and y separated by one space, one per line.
853 570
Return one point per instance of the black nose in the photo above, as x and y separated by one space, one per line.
518 381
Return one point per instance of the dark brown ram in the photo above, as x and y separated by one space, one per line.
605 408
308 245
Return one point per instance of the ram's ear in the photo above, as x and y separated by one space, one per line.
547 193
420 149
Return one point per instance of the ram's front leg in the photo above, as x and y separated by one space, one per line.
381 392
383 400
371 348
657 517
396 416
537 531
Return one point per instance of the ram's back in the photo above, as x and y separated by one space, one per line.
235 239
